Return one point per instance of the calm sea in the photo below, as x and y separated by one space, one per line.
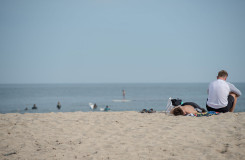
14 98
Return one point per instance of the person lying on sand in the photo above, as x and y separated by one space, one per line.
187 108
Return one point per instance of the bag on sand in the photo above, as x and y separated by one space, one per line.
176 102
171 104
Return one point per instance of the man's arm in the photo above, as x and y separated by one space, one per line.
234 89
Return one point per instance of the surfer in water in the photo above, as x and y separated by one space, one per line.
123 92
34 106
58 105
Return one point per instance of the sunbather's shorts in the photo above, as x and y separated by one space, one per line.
225 109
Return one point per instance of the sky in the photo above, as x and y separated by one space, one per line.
121 41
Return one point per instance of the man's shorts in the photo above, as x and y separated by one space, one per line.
225 109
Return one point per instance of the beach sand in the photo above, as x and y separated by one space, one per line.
121 135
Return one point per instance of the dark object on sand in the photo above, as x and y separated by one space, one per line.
151 111
8 154
34 106
58 105
148 111
176 102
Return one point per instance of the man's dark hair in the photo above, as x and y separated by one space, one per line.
222 73
178 111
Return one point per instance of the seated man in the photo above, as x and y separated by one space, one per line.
222 95
187 108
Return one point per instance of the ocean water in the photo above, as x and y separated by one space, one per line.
14 98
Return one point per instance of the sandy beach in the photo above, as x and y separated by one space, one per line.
121 135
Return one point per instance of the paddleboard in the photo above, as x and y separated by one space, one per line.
121 100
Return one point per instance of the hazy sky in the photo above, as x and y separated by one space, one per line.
55 41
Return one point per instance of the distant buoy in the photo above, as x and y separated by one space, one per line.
34 106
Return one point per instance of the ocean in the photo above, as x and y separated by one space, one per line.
14 98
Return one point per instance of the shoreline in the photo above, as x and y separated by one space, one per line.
96 111
121 135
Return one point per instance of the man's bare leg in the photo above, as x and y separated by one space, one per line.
234 103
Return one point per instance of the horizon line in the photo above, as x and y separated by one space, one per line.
110 83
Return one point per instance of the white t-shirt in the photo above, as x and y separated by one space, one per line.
218 92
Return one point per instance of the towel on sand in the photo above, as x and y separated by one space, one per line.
207 114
